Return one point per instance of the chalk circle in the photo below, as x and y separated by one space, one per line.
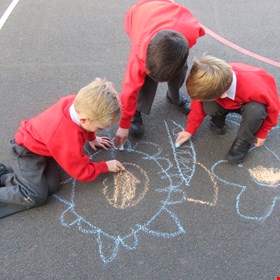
127 188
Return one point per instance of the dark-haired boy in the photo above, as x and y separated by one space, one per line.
161 34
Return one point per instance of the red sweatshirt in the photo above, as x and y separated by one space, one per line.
253 84
142 22
54 134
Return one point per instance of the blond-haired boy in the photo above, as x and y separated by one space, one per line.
218 88
55 139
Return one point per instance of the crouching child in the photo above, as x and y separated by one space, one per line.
55 139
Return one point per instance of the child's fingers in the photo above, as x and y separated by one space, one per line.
107 144
105 138
104 147
180 138
120 166
93 147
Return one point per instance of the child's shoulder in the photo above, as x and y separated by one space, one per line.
242 67
249 72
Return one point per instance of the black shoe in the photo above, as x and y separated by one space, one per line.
218 125
137 128
238 151
3 169
183 104
219 130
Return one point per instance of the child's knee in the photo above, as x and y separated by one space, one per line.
37 199
254 111
211 108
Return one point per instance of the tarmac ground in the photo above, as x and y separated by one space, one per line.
181 213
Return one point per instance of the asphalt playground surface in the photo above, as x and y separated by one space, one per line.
176 213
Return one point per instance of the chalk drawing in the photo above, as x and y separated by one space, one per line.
186 162
265 176
212 202
174 194
176 169
259 174
127 190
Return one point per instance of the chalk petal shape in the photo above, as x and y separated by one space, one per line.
130 242
184 158
204 188
108 247
69 218
165 224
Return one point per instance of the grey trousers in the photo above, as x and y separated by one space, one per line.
253 115
34 177
147 93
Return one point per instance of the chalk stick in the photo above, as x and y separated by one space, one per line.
121 148
177 145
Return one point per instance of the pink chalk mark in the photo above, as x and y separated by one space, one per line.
240 49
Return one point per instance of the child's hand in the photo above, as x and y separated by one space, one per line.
115 166
259 142
102 142
182 137
121 136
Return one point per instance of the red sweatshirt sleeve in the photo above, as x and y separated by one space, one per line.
68 150
133 81
195 117
91 136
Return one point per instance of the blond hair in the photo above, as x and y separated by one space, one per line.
209 78
99 101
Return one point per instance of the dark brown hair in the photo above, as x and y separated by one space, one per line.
166 55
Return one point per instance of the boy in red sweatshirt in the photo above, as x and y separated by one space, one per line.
55 139
161 33
218 88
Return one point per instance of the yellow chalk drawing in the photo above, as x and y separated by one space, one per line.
269 176
215 187
128 188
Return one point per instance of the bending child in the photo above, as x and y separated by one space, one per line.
161 33
218 88
55 139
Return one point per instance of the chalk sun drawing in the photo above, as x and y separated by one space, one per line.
175 169
258 180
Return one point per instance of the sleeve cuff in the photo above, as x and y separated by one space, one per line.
125 123
262 134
